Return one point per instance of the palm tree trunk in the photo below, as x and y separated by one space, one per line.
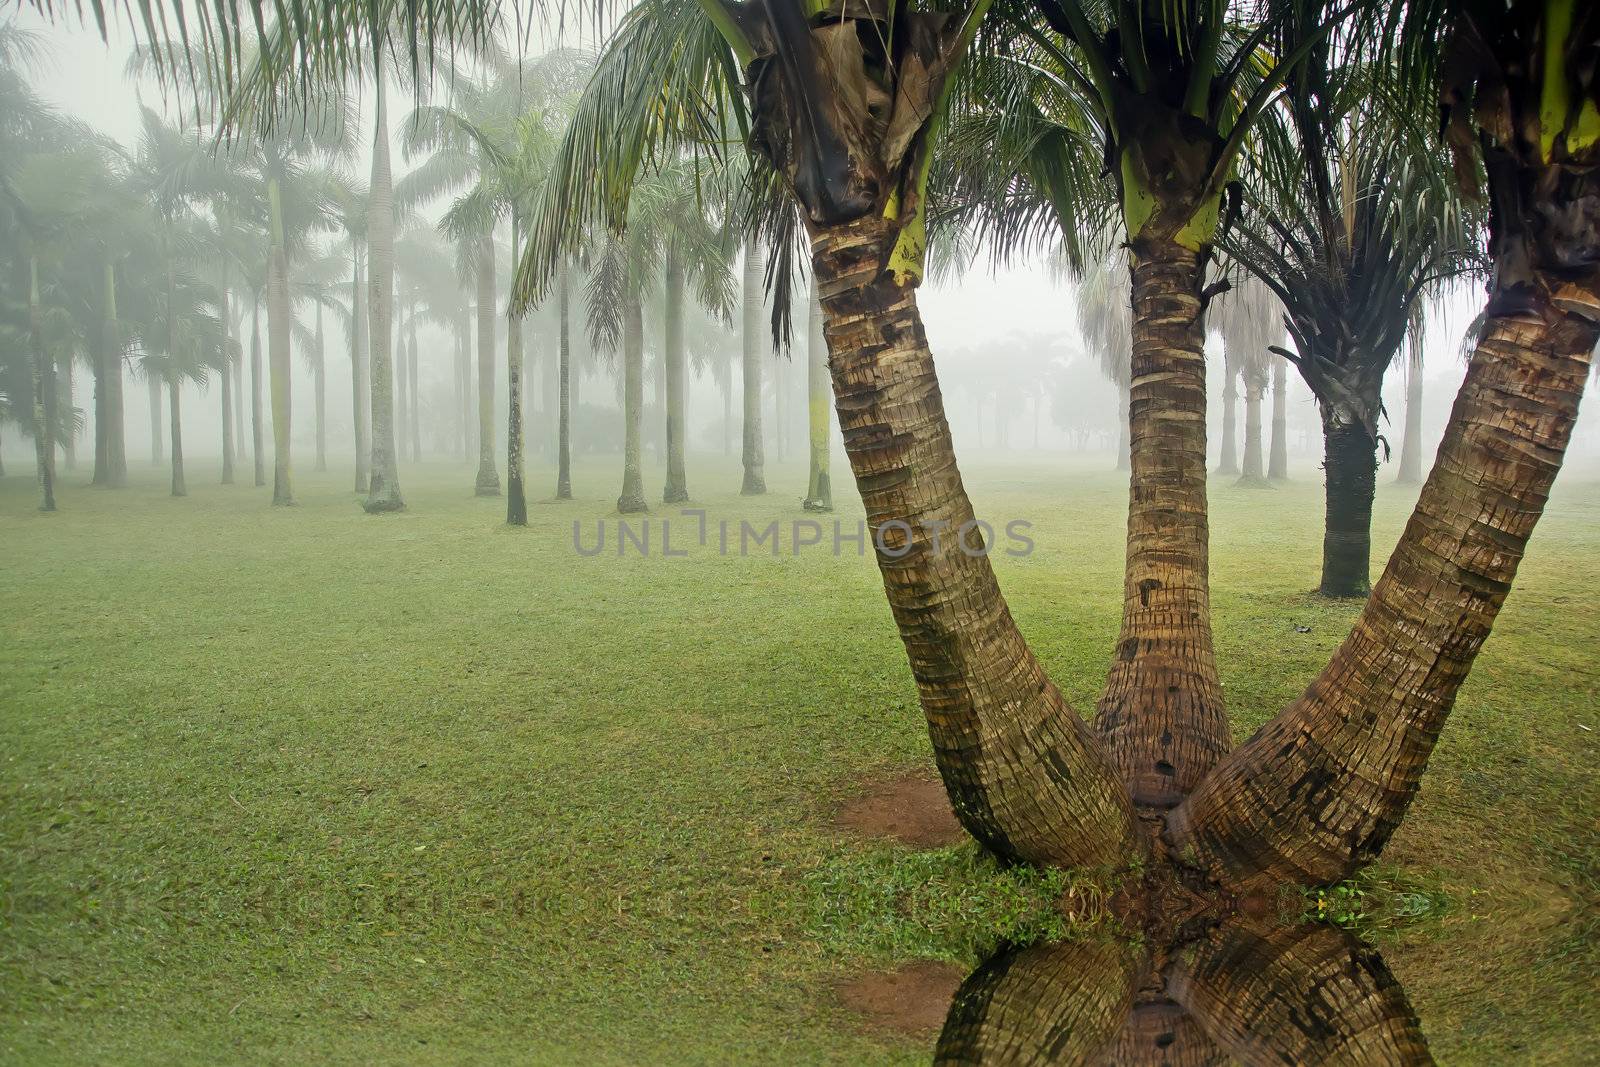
755 480
402 407
280 318
224 369
385 491
1252 470
238 401
1162 712
44 399
1278 452
632 498
819 487
458 380
677 489
416 399
1024 773
157 449
69 433
564 389
1229 461
488 483
1411 444
1350 460
516 501
1316 793
1124 452
256 431
110 454
179 488
464 411
360 385
320 378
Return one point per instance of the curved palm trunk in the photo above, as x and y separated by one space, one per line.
179 487
677 488
44 399
1350 461
632 498
755 479
1229 461
279 321
321 385
1061 1003
1161 714
564 390
384 494
516 502
157 449
488 483
819 486
360 386
1024 773
1251 470
255 391
1316 793
1278 452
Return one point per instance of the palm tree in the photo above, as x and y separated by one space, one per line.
1249 320
353 209
317 279
819 487
1410 467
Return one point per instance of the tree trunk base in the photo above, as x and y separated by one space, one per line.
632 504
754 485
382 499
675 494
1253 481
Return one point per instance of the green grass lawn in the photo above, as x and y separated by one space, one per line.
310 786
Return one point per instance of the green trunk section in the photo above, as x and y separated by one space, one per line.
755 480
488 481
516 501
279 333
179 487
384 493
43 395
632 498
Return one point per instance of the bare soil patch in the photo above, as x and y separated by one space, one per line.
912 809
910 1000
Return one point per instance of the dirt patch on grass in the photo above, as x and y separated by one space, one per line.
912 809
910 1000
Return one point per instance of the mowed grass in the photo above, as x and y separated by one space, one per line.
310 786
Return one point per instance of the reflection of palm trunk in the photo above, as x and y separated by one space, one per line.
384 493
1162 710
178 486
1316 793
564 390
488 483
755 481
1024 774
677 488
1278 454
819 487
632 498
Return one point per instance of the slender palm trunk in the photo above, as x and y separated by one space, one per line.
1252 469
755 479
1162 712
256 431
69 432
819 486
44 399
225 372
1024 773
360 385
677 489
111 455
488 482
632 498
1124 452
1278 452
416 399
402 381
464 411
1350 461
238 401
1411 444
280 318
179 488
458 366
157 448
1317 792
564 389
321 384
516 501
780 410
1229 461
384 494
